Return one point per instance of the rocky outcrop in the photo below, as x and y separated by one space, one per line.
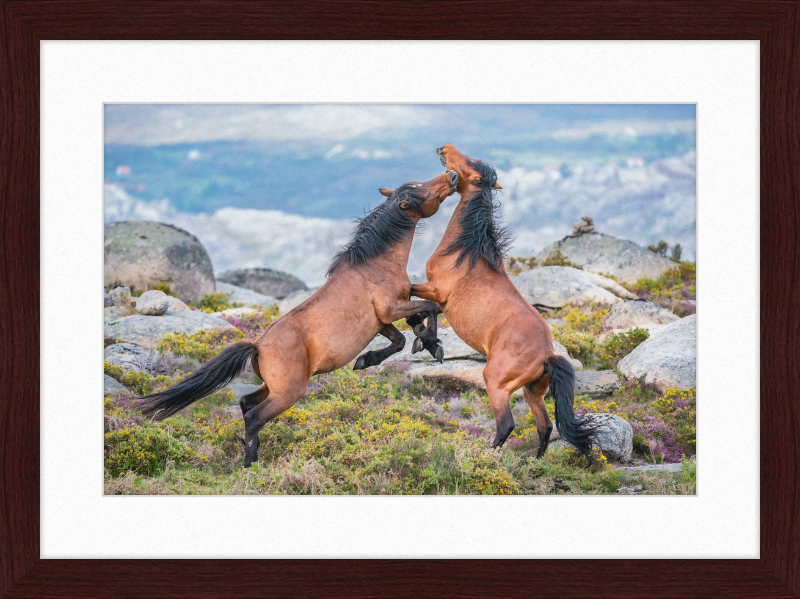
147 331
176 304
636 312
115 312
120 296
130 357
153 303
143 254
600 253
263 280
668 359
597 383
248 297
111 386
614 437
291 301
554 286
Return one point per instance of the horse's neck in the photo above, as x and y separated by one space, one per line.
454 225
398 254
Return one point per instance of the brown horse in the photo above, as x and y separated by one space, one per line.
367 287
467 279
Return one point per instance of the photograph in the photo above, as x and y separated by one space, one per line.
400 299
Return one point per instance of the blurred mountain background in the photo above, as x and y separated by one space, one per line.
280 185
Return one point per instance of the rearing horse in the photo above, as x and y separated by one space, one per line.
367 287
466 277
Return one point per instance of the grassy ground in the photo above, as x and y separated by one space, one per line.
389 433
379 433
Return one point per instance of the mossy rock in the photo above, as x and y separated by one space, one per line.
147 331
600 253
142 254
264 280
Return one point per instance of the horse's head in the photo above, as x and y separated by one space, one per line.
423 199
472 173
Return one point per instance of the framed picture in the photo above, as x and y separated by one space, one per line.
29 571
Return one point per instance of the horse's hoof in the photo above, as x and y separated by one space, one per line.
419 329
439 355
360 364
417 347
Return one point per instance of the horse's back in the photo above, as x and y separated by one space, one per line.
332 326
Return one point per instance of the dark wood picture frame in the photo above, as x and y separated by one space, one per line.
775 23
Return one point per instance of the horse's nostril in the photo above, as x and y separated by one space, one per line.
453 178
440 150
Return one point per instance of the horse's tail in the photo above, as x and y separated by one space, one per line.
210 377
576 430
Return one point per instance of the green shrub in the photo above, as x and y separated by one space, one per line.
578 344
201 346
518 264
620 345
587 317
145 450
215 302
556 258
164 287
140 383
112 370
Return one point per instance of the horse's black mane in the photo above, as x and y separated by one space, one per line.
381 227
480 234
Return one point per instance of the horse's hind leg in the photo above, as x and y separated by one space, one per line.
534 394
283 394
373 358
249 401
500 400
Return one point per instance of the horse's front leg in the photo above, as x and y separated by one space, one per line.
373 358
426 338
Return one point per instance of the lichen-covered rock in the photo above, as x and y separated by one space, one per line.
636 312
597 383
143 254
176 304
120 296
614 436
263 280
114 312
111 386
452 374
561 350
153 303
291 301
668 359
554 286
600 253
248 297
130 357
651 328
147 331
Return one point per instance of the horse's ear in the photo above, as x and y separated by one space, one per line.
404 204
386 192
497 186
476 180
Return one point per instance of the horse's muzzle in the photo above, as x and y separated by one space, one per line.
442 159
453 179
